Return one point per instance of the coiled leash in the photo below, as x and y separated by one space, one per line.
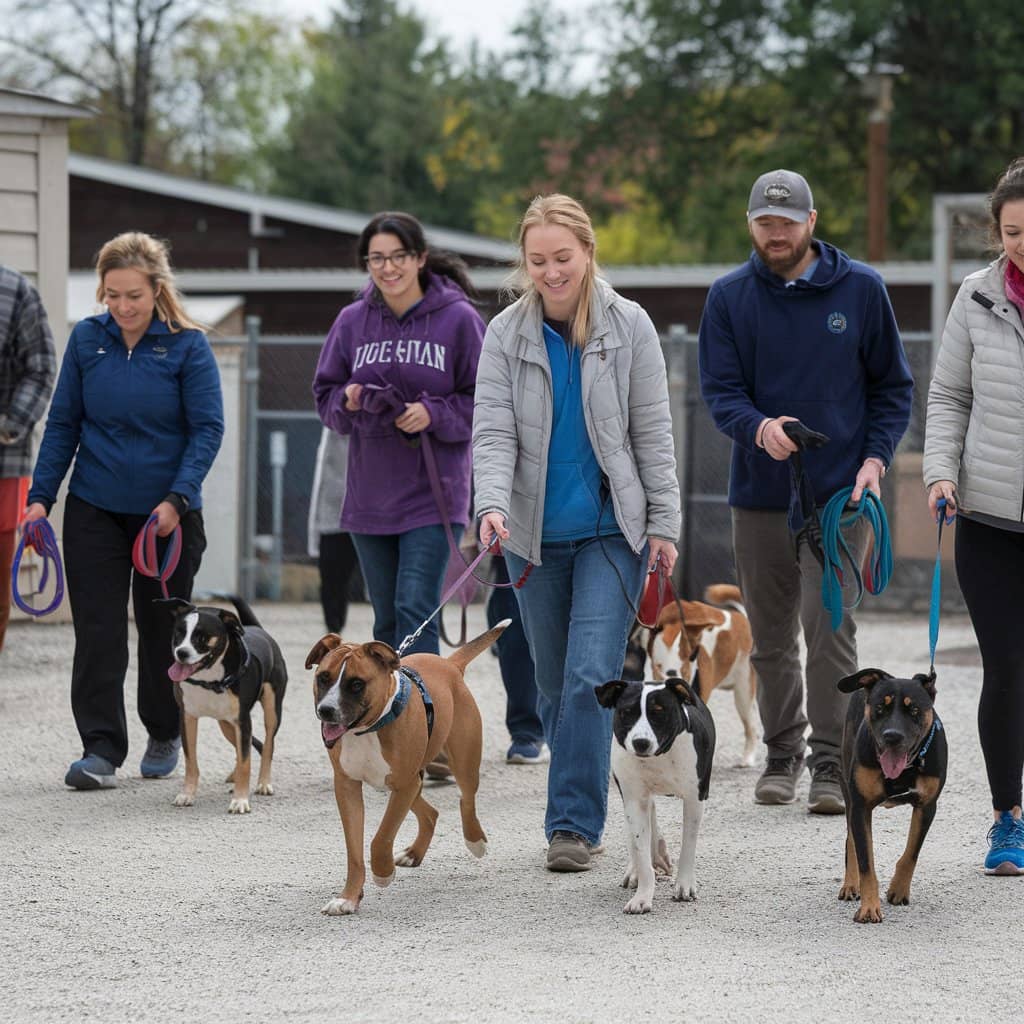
39 536
936 601
878 563
144 557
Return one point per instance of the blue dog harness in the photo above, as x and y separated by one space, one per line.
406 677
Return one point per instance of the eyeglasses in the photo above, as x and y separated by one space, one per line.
398 258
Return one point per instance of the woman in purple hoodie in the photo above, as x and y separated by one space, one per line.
399 362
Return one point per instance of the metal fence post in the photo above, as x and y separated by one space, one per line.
252 404
278 461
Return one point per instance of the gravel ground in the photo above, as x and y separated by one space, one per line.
122 907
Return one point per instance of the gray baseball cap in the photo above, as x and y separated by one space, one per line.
781 194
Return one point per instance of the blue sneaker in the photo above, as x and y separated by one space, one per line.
91 772
160 758
527 752
1006 846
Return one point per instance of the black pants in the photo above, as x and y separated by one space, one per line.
98 564
990 568
337 563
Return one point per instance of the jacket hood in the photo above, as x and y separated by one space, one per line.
440 292
526 311
833 266
991 280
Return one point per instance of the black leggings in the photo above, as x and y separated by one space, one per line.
990 567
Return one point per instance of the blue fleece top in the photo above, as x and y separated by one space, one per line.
573 492
138 424
825 350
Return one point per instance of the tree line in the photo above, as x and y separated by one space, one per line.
657 114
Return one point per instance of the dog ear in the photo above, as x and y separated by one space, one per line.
682 690
608 694
231 622
383 653
866 677
320 649
927 682
175 605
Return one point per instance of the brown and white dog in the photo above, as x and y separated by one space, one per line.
717 636
382 721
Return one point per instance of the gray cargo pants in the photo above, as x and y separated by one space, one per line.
781 585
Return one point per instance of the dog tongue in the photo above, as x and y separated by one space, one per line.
179 672
894 763
331 731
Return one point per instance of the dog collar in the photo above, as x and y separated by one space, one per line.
936 725
231 681
406 677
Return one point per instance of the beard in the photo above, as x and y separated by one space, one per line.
783 259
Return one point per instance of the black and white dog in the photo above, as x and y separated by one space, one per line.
664 745
224 664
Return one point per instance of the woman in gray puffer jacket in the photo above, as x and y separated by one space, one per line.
974 459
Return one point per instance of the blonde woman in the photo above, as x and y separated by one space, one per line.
575 474
138 411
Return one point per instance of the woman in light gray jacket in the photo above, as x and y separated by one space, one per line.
574 472
974 459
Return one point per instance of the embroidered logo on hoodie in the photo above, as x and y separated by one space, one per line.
836 323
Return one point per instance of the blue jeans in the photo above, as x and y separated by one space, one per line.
578 607
403 573
521 717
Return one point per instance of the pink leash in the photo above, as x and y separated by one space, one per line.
144 553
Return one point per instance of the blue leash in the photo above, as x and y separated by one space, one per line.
936 602
834 519
39 535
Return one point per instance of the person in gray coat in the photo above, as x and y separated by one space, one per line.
974 459
575 474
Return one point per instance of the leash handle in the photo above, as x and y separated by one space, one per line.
144 557
39 536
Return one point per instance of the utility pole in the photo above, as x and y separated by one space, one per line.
878 86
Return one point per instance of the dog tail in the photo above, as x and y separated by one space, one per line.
467 652
724 595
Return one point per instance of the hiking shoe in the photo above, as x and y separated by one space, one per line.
568 852
527 752
777 784
826 793
1006 846
439 769
91 772
160 758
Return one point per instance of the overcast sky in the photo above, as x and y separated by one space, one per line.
489 21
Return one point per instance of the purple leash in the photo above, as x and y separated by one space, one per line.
39 536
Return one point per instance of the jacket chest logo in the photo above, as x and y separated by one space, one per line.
836 323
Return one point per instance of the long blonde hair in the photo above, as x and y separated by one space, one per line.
566 212
135 250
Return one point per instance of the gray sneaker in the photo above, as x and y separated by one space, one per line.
826 794
568 852
777 784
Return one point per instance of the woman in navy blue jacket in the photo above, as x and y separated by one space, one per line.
138 409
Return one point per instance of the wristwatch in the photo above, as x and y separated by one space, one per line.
179 501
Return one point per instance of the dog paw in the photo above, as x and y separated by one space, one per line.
239 806
339 907
383 881
184 800
629 879
849 893
747 760
898 897
868 914
684 893
477 847
639 904
264 789
662 861
408 859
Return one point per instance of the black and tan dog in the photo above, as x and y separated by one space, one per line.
382 721
223 665
894 752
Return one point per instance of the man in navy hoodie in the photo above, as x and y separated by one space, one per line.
800 331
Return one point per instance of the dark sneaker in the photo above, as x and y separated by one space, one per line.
91 772
1006 846
826 793
777 784
527 752
568 852
160 758
439 770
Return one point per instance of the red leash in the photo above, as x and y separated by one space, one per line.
144 553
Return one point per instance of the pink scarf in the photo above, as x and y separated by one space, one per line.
1015 286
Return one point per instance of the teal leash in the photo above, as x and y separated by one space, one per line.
936 602
836 518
